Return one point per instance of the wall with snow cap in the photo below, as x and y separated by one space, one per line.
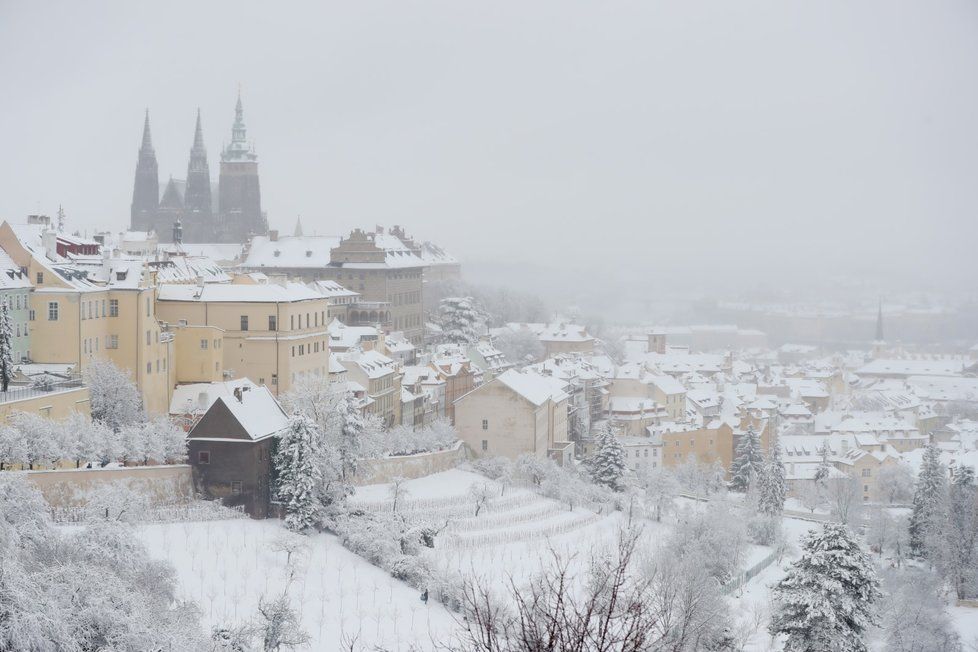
164 485
410 466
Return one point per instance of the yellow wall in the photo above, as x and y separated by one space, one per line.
273 358
53 405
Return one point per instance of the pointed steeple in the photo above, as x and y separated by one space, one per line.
147 136
146 187
197 197
879 322
238 150
198 133
298 227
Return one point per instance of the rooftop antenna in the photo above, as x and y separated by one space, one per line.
61 219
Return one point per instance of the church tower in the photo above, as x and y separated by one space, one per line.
198 222
239 192
146 188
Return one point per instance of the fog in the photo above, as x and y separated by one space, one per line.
657 147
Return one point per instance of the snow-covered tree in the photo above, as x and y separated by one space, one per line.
747 463
822 472
90 589
461 320
844 496
773 489
607 464
914 614
928 497
958 549
278 626
660 489
826 600
351 437
298 467
519 346
114 399
6 346
895 483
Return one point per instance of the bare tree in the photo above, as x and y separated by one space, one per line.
397 491
844 497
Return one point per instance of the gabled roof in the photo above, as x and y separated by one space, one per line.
256 416
533 387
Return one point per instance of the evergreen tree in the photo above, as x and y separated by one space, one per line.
928 497
460 320
773 488
959 558
822 472
607 465
6 346
351 436
747 464
298 467
825 601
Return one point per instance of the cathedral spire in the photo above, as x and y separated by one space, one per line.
298 227
147 136
239 150
197 197
198 133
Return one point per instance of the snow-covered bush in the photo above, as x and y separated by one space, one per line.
492 467
94 589
405 440
715 534
914 613
115 399
391 541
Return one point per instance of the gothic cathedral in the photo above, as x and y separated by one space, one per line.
237 214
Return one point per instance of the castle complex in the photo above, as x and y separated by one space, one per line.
233 218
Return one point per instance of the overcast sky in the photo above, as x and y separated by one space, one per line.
838 134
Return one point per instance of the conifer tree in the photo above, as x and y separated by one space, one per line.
773 489
608 462
298 466
928 497
822 472
747 464
460 320
351 436
825 602
959 555
6 346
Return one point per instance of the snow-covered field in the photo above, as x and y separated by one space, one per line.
225 566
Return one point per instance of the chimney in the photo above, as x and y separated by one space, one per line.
202 400
273 235
239 394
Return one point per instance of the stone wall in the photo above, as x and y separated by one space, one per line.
410 466
67 487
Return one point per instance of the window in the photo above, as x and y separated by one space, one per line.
148 306
112 341
52 311
485 444
203 345
244 322
236 487
103 307
866 473
865 488
113 307
292 322
275 379
149 367
485 425
149 338
31 315
272 323
203 457
40 278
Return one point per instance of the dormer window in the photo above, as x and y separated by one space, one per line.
309 253
277 253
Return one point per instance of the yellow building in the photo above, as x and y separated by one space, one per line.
100 309
272 332
381 379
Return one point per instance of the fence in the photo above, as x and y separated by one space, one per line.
745 576
23 393
454 541
196 511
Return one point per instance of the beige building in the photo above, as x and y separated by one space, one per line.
102 308
379 376
272 333
57 403
378 266
514 413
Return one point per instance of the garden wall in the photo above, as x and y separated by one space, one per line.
410 466
67 487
